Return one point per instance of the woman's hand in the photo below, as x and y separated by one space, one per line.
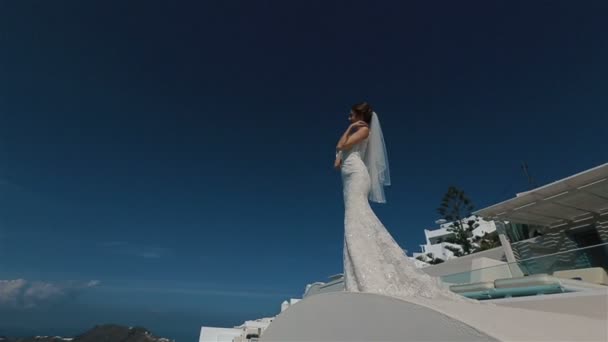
358 125
338 163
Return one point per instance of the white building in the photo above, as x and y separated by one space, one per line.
249 331
286 304
437 245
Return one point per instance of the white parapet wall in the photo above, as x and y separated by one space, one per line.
348 316
464 264
592 304
237 334
214 334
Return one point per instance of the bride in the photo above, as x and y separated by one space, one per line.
373 261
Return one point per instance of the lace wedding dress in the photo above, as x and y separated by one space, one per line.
373 261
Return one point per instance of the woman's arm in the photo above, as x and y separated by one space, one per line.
348 140
344 137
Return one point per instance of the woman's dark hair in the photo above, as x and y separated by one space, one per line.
364 111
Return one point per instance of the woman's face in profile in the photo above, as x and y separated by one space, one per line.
351 117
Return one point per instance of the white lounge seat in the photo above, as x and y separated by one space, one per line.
594 275
480 286
529 281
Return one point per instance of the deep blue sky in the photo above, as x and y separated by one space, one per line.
181 153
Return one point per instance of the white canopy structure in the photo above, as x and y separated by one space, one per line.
575 199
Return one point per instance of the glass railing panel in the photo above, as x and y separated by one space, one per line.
587 257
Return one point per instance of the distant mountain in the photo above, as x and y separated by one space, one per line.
99 333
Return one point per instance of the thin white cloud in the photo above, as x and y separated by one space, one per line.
113 243
149 255
203 292
11 292
39 292
141 251
4 183
93 283
24 294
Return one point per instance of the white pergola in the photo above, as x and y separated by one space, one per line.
573 202
575 199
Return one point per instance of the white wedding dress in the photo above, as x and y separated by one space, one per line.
373 261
